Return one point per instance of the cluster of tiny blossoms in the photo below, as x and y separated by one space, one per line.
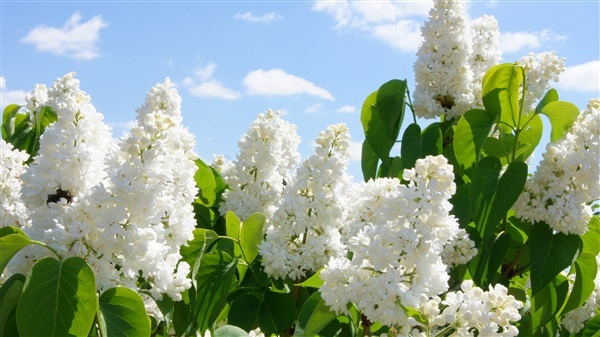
566 181
268 154
470 311
396 253
12 210
305 230
125 208
540 70
451 61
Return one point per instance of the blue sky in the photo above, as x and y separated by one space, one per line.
314 61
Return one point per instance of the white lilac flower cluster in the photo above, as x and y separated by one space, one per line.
125 209
566 181
574 320
305 230
470 311
12 210
396 254
540 71
452 59
268 154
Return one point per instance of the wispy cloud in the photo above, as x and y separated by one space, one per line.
252 18
347 109
313 109
8 97
512 42
276 82
202 84
395 23
78 40
583 77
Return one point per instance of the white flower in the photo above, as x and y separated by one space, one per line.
12 210
264 165
566 180
442 72
396 241
540 70
305 231
485 54
460 250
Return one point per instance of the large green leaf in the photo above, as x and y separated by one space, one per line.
216 278
230 331
368 161
314 281
194 250
417 145
547 302
8 120
591 238
562 115
243 311
22 131
375 128
529 138
592 328
10 293
390 103
490 259
277 312
10 245
550 96
500 93
251 235
206 183
124 313
550 254
585 274
470 135
60 297
492 195
314 316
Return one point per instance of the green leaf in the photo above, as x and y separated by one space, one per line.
243 311
314 281
368 161
233 224
60 297
375 128
124 313
251 235
416 145
470 135
592 328
461 206
585 274
548 301
230 331
277 312
8 121
205 181
314 316
492 195
216 278
390 102
550 254
550 96
396 168
490 260
591 238
529 138
562 115
10 293
10 245
195 249
500 92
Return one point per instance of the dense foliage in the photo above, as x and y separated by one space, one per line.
455 235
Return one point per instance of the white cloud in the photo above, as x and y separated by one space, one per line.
512 42
276 82
355 150
266 18
76 40
214 89
582 77
347 109
202 84
8 97
395 23
313 109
